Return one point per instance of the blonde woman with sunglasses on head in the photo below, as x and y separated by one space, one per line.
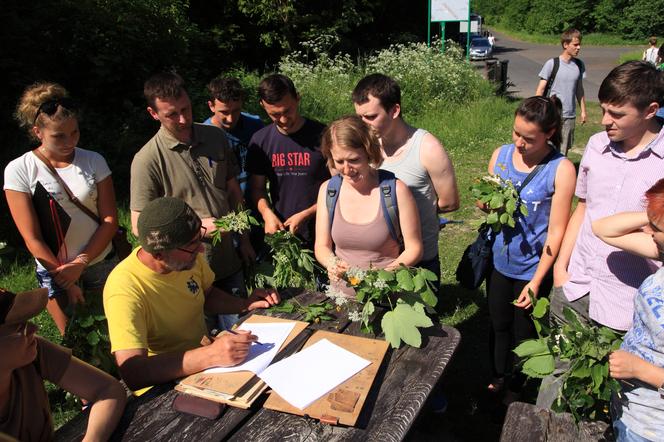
82 255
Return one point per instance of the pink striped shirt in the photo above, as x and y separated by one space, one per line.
611 183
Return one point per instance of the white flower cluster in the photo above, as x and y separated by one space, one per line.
355 272
379 284
333 293
355 316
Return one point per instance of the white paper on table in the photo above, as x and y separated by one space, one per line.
271 334
303 378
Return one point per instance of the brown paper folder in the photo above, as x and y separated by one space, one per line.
239 388
343 404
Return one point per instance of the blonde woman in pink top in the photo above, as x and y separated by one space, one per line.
360 236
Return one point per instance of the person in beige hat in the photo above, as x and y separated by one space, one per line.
27 360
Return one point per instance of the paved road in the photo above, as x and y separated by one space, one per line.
526 60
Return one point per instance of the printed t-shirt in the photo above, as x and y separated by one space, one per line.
294 167
159 313
29 413
197 174
86 170
238 139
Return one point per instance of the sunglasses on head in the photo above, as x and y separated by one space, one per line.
50 107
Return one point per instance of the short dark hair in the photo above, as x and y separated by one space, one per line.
226 89
380 86
545 112
636 82
163 85
569 35
275 87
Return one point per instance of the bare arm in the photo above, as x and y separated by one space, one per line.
540 87
259 197
441 171
323 245
140 370
134 222
25 218
560 275
625 365
68 273
561 204
106 394
295 221
218 301
581 98
409 220
624 230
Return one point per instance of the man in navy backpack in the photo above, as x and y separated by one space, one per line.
563 77
414 155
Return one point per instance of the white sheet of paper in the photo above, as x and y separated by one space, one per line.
303 378
272 335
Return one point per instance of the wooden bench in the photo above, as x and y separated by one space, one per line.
403 383
530 423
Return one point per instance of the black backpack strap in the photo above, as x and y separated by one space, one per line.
388 201
552 77
331 196
536 170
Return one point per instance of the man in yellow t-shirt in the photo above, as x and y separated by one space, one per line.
154 301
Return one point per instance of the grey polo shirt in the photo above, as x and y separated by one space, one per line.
197 174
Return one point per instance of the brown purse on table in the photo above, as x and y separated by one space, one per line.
121 245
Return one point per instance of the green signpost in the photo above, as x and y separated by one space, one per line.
443 11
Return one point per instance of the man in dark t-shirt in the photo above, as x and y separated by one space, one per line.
287 154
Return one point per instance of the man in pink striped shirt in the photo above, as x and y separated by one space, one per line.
597 280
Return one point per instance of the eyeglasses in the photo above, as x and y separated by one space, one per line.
197 242
50 107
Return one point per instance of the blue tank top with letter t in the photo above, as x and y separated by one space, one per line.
517 251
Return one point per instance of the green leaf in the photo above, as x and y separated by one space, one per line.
386 275
538 366
496 201
402 324
582 371
523 209
504 218
492 218
429 297
92 338
511 222
541 307
405 280
531 347
428 274
571 317
418 282
86 321
510 206
598 376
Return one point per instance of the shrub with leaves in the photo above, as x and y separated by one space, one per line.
406 292
586 385
290 266
238 222
501 198
87 336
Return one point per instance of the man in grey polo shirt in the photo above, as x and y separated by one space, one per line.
194 163
567 84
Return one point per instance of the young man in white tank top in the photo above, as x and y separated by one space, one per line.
415 156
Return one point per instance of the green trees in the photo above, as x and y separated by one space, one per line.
630 18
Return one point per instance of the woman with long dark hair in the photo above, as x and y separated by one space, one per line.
523 255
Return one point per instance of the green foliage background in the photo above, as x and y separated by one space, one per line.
634 19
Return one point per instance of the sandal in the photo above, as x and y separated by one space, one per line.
496 386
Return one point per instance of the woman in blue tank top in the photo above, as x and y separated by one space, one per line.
523 255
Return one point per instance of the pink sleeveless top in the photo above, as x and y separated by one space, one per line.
363 245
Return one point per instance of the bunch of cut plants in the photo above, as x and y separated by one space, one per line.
502 200
405 293
586 386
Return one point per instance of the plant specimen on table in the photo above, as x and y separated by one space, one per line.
238 222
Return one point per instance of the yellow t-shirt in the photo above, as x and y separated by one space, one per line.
160 313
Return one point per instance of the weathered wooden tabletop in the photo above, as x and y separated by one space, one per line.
403 383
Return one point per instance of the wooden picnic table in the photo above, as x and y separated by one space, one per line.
404 382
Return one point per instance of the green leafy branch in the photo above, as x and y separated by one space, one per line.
87 336
586 384
291 265
239 222
407 291
501 198
316 312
